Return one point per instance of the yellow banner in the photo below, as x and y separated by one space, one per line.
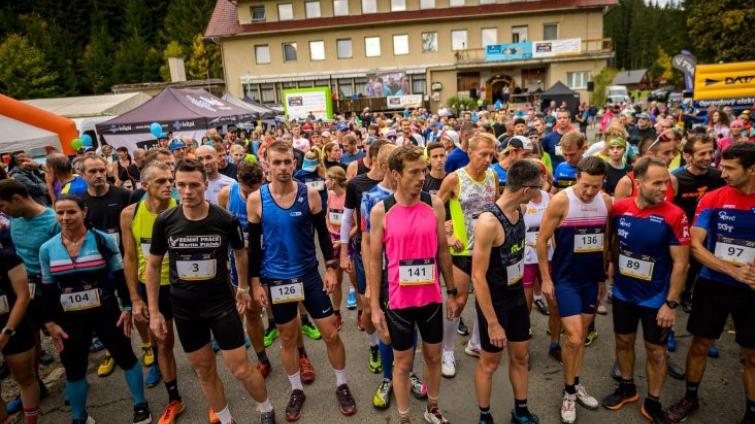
724 81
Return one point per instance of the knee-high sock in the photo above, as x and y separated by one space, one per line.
386 358
474 338
449 334
76 391
135 382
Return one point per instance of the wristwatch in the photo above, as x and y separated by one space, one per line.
672 304
9 331
452 292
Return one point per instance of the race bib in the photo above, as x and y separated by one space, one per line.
335 216
195 270
286 292
515 272
416 272
530 238
586 241
80 300
734 251
146 244
318 185
636 266
4 307
32 290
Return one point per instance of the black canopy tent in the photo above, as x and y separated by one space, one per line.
560 93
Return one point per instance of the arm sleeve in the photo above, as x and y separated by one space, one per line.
119 279
236 234
255 249
323 236
346 223
159 245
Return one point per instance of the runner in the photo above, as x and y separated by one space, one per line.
649 251
501 305
467 191
572 148
512 149
662 148
336 184
136 223
551 141
79 298
722 241
288 269
408 226
208 156
197 236
577 218
233 198
436 156
533 216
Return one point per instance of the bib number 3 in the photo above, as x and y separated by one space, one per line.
196 270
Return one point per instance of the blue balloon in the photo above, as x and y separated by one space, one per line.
86 140
156 129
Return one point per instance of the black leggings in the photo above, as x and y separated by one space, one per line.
79 327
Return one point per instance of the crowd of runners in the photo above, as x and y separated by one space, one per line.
247 237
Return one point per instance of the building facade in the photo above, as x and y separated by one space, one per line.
441 48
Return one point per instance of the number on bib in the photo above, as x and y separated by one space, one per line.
283 292
636 266
4 307
530 238
734 251
80 300
515 272
146 244
194 270
586 241
416 272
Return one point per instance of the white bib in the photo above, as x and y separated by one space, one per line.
530 238
515 272
193 270
287 293
736 252
4 307
586 243
145 249
318 185
80 300
32 290
335 216
416 272
635 267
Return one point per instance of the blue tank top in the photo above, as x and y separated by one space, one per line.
237 207
288 237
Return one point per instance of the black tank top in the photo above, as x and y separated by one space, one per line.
361 167
692 187
613 175
507 260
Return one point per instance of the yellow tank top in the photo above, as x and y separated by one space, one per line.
141 228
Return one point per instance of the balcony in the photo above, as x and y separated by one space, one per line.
590 47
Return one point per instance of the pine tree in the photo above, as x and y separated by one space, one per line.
97 61
24 71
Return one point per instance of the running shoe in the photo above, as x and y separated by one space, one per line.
681 410
555 353
153 376
96 345
655 417
541 306
89 420
591 336
472 350
569 408
264 367
620 397
488 419
673 369
433 416
267 417
713 352
462 328
141 414
148 357
310 330
382 398
527 419
107 366
346 403
339 322
213 419
448 364
270 335
374 362
14 406
419 390
351 300
585 399
306 370
671 342
172 410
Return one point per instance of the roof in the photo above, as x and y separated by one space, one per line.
260 111
629 77
225 22
16 135
558 89
87 106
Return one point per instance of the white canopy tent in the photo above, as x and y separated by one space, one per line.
107 105
16 135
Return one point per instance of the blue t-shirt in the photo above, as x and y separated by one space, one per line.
564 175
456 159
370 199
549 144
501 173
30 234
77 186
347 158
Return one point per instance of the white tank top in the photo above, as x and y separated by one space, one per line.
533 216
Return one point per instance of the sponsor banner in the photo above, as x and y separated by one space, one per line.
553 48
385 84
742 101
508 51
686 62
402 102
725 81
298 103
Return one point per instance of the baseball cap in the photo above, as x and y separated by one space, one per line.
643 115
176 144
627 112
342 127
306 127
518 121
516 142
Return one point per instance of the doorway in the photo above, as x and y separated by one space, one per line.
499 87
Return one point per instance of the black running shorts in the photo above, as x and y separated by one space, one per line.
712 303
401 322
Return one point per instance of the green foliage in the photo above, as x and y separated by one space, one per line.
97 60
722 30
198 65
173 49
459 104
601 81
24 71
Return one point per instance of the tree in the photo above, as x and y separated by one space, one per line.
721 30
602 80
24 71
184 18
97 61
662 70
198 65
135 59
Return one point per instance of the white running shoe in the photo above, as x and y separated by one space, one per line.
585 399
569 409
448 364
472 350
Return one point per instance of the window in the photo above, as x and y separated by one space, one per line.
268 93
429 42
369 6
258 13
550 31
346 87
459 39
578 80
400 44
262 54
316 50
285 12
519 34
305 84
419 85
340 7
453 3
322 83
312 9
487 1
289 52
489 37
344 48
360 84
398 5
427 4
289 84
372 46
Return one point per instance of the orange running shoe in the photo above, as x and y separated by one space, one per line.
213 418
172 411
307 370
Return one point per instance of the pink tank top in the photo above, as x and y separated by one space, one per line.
335 211
411 247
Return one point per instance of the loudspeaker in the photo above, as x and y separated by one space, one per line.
590 86
473 93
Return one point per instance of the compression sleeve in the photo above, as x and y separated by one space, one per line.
346 222
119 278
255 249
323 236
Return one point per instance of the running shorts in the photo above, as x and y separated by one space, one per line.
163 302
22 341
712 303
576 298
401 322
627 315
464 263
511 310
197 322
315 300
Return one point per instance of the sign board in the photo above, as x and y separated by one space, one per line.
298 103
725 81
508 51
403 102
742 101
553 48
385 84
685 62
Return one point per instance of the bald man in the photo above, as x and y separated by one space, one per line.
215 180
